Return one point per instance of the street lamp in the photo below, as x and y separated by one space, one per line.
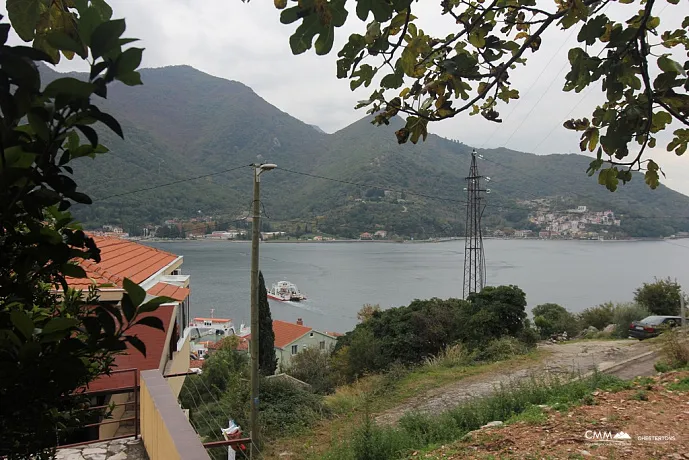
255 229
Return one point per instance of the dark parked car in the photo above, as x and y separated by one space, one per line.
652 326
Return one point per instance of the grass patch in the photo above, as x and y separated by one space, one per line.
532 415
421 431
682 385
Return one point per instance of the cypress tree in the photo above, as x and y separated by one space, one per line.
267 362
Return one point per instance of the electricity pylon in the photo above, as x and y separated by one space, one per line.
474 260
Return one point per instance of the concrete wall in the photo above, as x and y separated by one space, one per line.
178 365
165 431
285 355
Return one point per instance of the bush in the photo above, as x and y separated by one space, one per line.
501 349
313 367
598 317
674 350
662 297
452 356
553 319
624 314
287 408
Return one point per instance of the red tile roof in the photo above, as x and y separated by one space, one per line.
286 333
122 259
154 339
169 290
198 363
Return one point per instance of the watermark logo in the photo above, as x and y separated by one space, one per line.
606 436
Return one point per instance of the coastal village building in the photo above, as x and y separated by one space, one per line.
159 273
290 339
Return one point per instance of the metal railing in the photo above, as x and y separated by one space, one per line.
110 392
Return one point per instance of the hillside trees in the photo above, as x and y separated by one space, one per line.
413 333
432 78
52 344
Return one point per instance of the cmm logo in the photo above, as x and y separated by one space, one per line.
606 436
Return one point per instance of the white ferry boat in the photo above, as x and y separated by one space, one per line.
285 291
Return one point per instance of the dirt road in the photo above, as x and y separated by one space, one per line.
562 359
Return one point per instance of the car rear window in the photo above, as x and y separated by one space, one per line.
653 320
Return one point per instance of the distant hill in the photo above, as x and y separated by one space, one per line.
184 123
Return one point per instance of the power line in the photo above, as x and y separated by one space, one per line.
146 189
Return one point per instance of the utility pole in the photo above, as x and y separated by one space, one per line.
682 309
474 260
255 229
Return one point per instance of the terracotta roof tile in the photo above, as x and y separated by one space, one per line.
122 259
169 290
198 363
154 340
286 333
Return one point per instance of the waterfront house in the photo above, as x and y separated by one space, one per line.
159 273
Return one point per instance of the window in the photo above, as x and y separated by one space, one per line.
321 344
295 349
311 334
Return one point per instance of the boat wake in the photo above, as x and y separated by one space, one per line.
303 305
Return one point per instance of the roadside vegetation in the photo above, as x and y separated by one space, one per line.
392 356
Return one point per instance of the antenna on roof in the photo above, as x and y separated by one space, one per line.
212 310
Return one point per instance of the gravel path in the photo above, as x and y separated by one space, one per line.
564 359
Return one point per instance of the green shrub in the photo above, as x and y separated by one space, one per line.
452 356
287 408
501 349
624 314
662 297
598 317
313 367
552 319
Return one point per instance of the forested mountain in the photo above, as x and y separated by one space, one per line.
183 123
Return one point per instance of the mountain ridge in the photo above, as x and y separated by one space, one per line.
184 123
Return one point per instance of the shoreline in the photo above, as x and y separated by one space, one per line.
440 240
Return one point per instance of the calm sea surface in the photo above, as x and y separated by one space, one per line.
339 278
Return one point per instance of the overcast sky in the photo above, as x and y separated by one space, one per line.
246 42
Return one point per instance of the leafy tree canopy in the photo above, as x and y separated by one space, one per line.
662 297
54 340
432 78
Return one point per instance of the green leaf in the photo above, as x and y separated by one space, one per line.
593 140
102 8
652 179
136 343
62 41
15 157
130 79
24 16
668 65
73 271
393 80
302 38
23 323
60 324
106 36
69 86
136 292
108 120
153 304
128 61
128 307
324 42
90 134
152 321
291 15
381 9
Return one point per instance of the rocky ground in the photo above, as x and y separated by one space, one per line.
565 358
654 413
118 449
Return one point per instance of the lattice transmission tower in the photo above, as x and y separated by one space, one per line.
474 260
